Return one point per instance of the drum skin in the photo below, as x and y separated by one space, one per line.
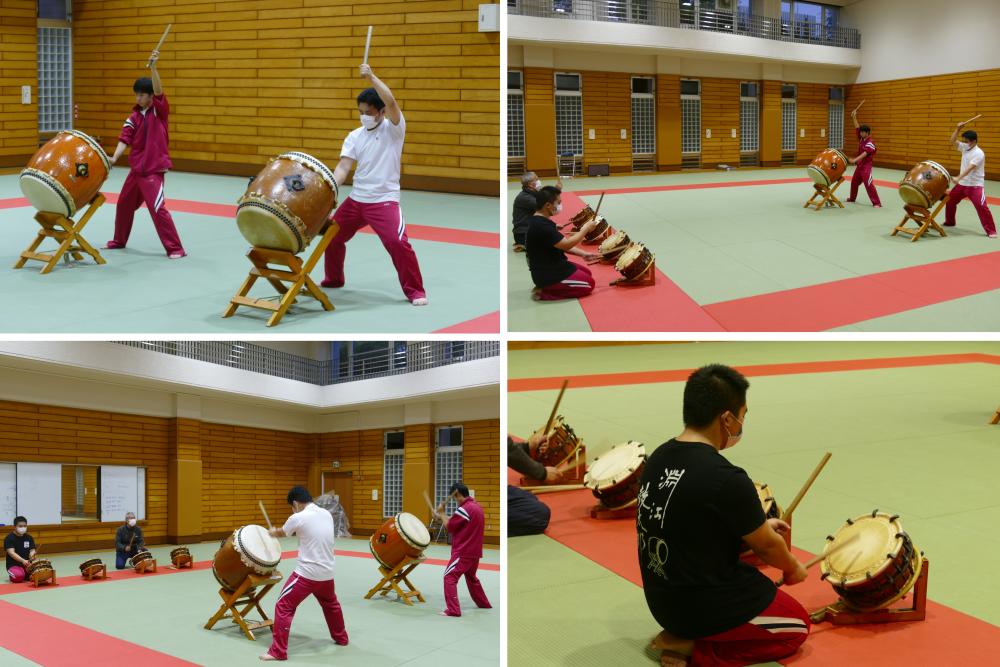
925 184
614 245
230 568
287 204
390 544
65 174
620 488
634 261
828 167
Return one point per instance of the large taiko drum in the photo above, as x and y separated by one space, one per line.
400 536
925 184
878 569
828 167
65 174
561 445
614 245
634 261
288 203
249 550
614 477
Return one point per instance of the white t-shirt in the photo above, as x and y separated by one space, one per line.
379 154
975 156
314 528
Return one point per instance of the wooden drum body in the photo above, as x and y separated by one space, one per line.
634 261
288 203
180 557
400 536
614 477
581 218
65 174
561 445
601 231
40 570
925 184
249 550
91 568
828 167
879 569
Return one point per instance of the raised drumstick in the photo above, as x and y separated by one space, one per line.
972 119
805 487
159 44
368 43
596 210
266 518
555 408
858 107
816 559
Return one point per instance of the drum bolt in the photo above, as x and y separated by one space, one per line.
829 538
824 576
893 517
868 575
874 513
850 522
900 535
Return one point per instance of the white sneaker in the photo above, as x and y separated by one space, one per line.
420 301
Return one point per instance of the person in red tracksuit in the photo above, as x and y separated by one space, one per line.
466 529
863 162
145 130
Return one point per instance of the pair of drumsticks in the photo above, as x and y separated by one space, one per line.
596 211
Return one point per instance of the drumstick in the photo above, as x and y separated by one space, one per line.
858 107
266 518
598 205
805 487
816 559
553 488
368 42
427 499
555 408
972 119
159 44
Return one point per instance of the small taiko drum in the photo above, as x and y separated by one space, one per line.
614 245
634 261
581 218
879 568
91 568
772 510
614 477
288 203
180 557
925 184
141 560
249 550
400 536
561 445
40 570
601 231
828 167
65 174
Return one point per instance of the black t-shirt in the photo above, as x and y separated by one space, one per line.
694 507
21 544
547 263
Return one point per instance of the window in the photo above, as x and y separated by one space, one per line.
788 117
53 9
455 350
562 6
690 116
643 115
447 464
809 20
515 114
55 79
399 354
749 118
835 124
569 114
392 476
369 357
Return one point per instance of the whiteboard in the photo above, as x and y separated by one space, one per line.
140 513
39 492
119 492
8 493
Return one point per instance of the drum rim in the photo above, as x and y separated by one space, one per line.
625 252
319 167
601 483
46 179
94 145
409 539
624 240
814 169
256 200
87 564
873 572
255 563
938 165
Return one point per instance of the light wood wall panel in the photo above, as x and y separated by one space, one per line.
18 56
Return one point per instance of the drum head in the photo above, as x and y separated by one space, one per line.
613 241
46 194
878 541
256 545
631 254
818 176
615 466
413 530
265 225
913 195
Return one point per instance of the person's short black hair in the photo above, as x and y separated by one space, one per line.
371 98
461 488
19 519
970 135
546 195
299 494
143 85
711 391
865 128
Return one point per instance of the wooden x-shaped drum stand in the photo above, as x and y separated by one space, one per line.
924 219
826 195
68 233
839 614
297 274
391 579
249 594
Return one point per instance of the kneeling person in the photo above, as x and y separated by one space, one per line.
20 549
555 277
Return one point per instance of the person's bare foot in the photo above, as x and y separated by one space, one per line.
673 659
267 657
420 301
668 642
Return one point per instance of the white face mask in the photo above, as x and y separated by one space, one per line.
369 122
536 184
131 522
21 530
732 440
964 146
559 207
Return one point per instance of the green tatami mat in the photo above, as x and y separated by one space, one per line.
167 613
564 609
140 291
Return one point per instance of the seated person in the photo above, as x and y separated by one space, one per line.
526 514
20 549
128 541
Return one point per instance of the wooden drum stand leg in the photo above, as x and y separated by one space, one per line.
297 274
68 233
102 573
826 194
839 614
391 580
249 594
37 581
996 417
924 219
644 279
181 562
